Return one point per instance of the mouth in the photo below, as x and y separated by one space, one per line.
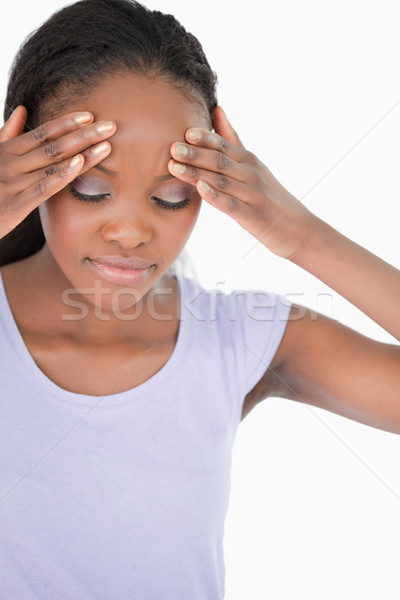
121 262
121 271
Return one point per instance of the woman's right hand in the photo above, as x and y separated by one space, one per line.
36 165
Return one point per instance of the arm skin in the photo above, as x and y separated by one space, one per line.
331 366
318 361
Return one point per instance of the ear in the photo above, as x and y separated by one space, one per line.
224 128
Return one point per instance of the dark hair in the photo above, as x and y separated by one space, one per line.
68 55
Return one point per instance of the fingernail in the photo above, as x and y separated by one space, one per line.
179 167
104 127
204 186
100 149
194 135
181 150
75 162
82 117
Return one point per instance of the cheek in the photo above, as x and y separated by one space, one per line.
60 221
189 218
173 230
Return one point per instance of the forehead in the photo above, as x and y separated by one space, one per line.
150 113
144 105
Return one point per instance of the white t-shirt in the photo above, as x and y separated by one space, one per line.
124 496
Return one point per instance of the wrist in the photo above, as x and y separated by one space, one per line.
314 237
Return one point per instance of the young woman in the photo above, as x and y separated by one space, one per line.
123 381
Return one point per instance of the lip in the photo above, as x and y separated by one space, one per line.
121 262
123 274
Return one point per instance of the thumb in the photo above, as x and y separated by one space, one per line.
224 128
15 124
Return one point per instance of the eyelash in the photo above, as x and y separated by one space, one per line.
162 203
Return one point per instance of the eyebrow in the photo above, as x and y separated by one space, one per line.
112 173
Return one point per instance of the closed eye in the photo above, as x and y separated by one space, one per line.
99 197
86 197
171 205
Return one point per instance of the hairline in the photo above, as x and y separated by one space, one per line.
66 92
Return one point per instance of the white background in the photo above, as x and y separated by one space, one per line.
313 88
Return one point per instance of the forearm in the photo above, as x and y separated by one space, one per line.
368 282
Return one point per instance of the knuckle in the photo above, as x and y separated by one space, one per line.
53 149
41 133
51 170
223 145
40 187
222 161
223 182
233 204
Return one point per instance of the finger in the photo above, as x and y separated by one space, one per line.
223 127
218 181
227 203
15 124
209 160
17 207
91 157
50 130
209 139
61 149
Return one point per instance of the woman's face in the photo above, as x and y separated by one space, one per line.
129 221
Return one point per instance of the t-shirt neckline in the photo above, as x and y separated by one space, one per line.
139 391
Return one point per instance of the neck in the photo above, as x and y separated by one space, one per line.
67 312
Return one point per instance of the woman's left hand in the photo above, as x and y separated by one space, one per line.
235 181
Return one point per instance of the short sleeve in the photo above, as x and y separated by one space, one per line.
260 318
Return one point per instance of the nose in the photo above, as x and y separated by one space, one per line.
129 230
